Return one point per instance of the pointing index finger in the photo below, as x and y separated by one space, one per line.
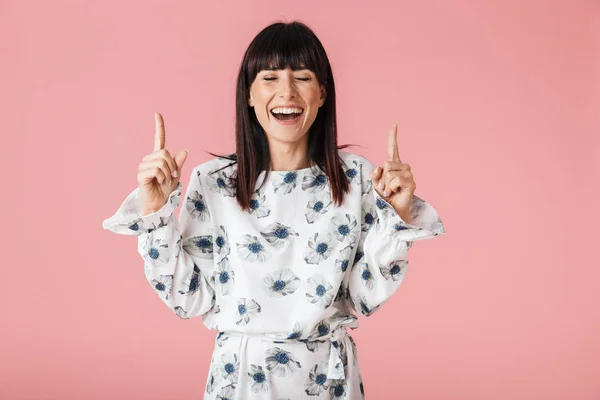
159 134
393 143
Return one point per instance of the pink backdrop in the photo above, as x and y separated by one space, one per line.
497 104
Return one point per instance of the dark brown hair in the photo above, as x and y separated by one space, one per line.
278 46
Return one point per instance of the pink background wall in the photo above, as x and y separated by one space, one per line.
498 109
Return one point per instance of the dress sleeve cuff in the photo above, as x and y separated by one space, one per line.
425 221
129 221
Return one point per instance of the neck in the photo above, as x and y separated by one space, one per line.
289 156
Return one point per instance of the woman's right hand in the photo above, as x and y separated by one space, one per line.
158 173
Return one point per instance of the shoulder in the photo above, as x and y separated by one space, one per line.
353 160
215 165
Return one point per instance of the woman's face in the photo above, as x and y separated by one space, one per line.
298 90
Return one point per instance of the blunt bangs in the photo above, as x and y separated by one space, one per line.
286 45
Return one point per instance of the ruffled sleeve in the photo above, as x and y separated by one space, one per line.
380 261
177 252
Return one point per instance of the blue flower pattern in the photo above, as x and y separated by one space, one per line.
300 269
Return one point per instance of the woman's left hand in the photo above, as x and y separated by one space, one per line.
394 182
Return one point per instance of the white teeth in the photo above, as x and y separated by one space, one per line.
282 110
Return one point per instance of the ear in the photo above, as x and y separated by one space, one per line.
250 102
323 96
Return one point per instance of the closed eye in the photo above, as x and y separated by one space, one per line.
300 79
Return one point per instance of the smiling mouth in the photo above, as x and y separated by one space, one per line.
286 117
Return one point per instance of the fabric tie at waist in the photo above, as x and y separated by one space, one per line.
335 367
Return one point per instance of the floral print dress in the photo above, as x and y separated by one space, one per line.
281 283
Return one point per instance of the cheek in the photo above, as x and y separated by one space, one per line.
314 95
314 100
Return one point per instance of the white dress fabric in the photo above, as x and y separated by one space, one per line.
282 283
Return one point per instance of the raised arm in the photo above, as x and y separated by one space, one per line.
177 253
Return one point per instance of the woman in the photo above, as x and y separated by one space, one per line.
279 245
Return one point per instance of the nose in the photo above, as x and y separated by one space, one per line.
286 88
